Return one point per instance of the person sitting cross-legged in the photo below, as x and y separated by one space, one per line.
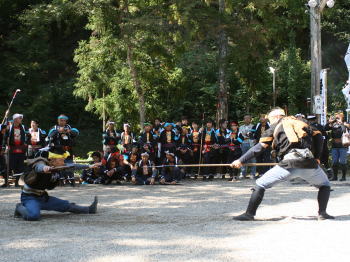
115 167
145 172
94 175
171 174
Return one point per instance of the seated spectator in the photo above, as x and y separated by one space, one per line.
185 155
145 172
171 174
132 160
134 150
115 164
94 175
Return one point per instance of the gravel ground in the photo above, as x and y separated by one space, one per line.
189 222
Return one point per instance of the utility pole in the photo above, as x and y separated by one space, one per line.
316 57
316 9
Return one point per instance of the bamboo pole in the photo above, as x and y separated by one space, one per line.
217 165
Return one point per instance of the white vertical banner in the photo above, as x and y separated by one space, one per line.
347 60
346 89
323 85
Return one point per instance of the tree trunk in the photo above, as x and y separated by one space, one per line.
222 104
316 56
137 85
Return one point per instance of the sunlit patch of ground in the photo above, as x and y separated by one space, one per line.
189 222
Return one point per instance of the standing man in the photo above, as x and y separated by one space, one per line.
184 152
325 151
168 140
2 151
63 136
195 137
157 130
37 138
111 138
148 142
235 151
338 127
17 141
127 138
265 157
299 147
210 148
247 131
223 136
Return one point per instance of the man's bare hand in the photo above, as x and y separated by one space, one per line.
152 181
47 169
110 172
318 161
95 165
236 164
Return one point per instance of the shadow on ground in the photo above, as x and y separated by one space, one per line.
191 222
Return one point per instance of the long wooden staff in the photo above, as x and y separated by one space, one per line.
217 165
8 109
201 147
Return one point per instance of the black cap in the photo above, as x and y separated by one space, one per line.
96 154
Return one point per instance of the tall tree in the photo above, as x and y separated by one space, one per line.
222 106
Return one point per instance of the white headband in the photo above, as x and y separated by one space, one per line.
277 112
17 116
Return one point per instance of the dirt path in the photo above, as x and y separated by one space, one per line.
190 222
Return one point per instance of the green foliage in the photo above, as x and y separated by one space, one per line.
72 57
293 82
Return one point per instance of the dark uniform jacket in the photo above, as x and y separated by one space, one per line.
111 137
63 140
147 138
36 181
150 172
337 131
288 134
10 139
258 130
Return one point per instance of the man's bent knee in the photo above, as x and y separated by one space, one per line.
31 216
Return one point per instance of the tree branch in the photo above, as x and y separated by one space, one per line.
322 5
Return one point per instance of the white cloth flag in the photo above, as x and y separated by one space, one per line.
347 60
323 118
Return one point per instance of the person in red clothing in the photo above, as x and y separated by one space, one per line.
116 167
16 139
